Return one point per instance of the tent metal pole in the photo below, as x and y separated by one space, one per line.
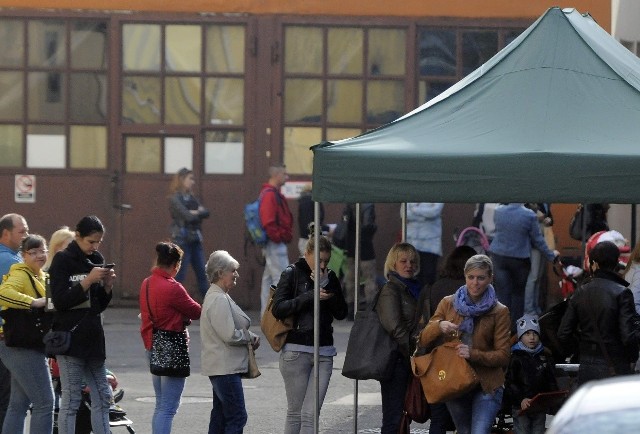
404 221
634 228
316 317
356 272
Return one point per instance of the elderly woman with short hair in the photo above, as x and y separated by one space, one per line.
224 331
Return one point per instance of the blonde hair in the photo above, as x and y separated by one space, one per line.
634 257
479 262
392 257
58 239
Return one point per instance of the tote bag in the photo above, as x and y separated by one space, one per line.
370 348
444 375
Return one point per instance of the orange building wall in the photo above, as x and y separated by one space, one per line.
599 9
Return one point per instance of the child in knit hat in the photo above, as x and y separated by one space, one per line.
531 371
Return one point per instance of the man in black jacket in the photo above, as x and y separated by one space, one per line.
601 314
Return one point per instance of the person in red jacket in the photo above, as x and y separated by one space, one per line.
166 305
277 221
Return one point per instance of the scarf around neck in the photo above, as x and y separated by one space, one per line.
463 304
520 346
412 285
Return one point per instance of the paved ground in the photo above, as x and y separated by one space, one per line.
265 398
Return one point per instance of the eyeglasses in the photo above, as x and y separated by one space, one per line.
523 322
37 252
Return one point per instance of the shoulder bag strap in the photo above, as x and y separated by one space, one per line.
33 283
149 305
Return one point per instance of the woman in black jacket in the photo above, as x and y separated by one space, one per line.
81 289
294 297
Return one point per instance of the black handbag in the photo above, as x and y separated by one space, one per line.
169 350
56 342
25 328
370 349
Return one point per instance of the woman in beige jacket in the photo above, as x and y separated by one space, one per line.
475 316
224 331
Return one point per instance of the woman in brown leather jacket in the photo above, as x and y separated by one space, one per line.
396 309
474 314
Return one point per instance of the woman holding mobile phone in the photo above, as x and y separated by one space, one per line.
81 291
294 296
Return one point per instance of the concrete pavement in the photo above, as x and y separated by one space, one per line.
265 396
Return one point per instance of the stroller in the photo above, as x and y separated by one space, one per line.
472 237
117 416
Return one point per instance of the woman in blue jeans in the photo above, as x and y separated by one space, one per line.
166 305
294 296
474 317
225 335
81 290
187 214
24 288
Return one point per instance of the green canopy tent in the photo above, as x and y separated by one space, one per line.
553 117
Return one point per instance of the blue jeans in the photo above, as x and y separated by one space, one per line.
277 259
510 281
30 384
168 392
228 415
532 288
475 412
194 255
73 373
393 391
528 423
297 372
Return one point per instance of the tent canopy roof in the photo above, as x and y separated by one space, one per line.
554 117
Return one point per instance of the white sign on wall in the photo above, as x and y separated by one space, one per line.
292 189
25 189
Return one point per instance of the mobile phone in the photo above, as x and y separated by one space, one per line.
110 265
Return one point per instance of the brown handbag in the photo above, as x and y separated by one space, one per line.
275 330
444 375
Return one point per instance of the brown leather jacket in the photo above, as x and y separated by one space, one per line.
490 345
396 309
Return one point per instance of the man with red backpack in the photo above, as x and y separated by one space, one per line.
277 221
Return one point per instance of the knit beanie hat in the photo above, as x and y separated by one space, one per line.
526 323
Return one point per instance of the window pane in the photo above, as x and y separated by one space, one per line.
345 51
224 101
303 50
46 43
89 44
182 100
225 49
46 150
303 100
141 47
429 90
11 145
87 147
344 101
11 43
46 96
437 52
385 101
141 100
178 153
88 98
335 134
11 97
183 49
224 152
142 154
386 52
298 157
477 48
511 35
